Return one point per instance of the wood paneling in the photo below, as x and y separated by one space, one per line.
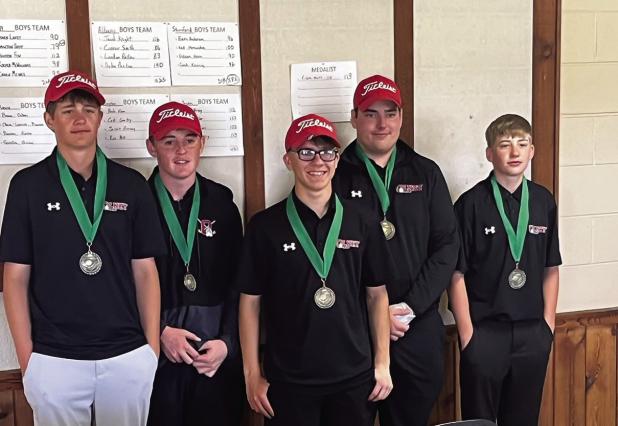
78 35
251 95
404 63
546 92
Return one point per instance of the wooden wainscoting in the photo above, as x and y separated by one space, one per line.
14 409
580 387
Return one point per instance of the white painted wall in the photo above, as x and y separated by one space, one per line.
298 31
589 154
473 63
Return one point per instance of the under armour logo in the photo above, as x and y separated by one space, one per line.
54 206
491 230
291 246
356 194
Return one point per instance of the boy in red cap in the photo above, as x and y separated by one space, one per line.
199 379
81 290
407 195
313 265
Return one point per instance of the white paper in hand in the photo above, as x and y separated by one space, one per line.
407 318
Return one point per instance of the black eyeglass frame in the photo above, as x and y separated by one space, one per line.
314 152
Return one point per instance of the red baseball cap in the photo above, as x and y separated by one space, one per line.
308 127
376 88
68 81
171 116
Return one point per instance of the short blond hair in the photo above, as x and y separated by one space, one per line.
507 124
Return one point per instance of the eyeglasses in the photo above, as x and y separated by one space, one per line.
308 154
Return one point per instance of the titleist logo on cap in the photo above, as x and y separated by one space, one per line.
169 113
378 85
311 123
71 78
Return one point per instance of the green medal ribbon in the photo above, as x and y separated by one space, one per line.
184 244
321 264
89 229
516 240
381 187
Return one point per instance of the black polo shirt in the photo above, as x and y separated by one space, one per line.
306 345
485 257
211 311
425 245
75 315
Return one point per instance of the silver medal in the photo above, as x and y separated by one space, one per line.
517 278
388 228
324 297
90 263
189 282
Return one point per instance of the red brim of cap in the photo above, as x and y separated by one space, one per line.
164 130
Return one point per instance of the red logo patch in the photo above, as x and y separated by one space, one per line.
114 206
408 188
206 228
535 229
347 244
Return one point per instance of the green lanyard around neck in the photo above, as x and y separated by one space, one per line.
381 187
516 240
321 264
89 229
184 244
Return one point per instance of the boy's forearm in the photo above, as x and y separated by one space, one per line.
379 322
16 282
458 301
148 295
249 330
551 281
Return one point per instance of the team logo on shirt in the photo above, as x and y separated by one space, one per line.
206 227
53 206
405 188
536 229
289 247
347 244
490 230
356 194
114 206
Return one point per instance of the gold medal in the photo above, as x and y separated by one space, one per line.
189 282
90 263
388 228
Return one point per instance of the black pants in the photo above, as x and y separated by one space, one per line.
183 397
302 406
503 370
417 369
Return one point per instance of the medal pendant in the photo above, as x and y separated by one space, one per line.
324 297
90 263
517 278
388 228
189 282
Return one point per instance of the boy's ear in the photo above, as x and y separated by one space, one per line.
49 121
489 154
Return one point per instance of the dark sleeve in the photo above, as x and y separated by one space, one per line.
251 271
147 234
229 325
465 236
443 246
376 258
553 257
16 235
